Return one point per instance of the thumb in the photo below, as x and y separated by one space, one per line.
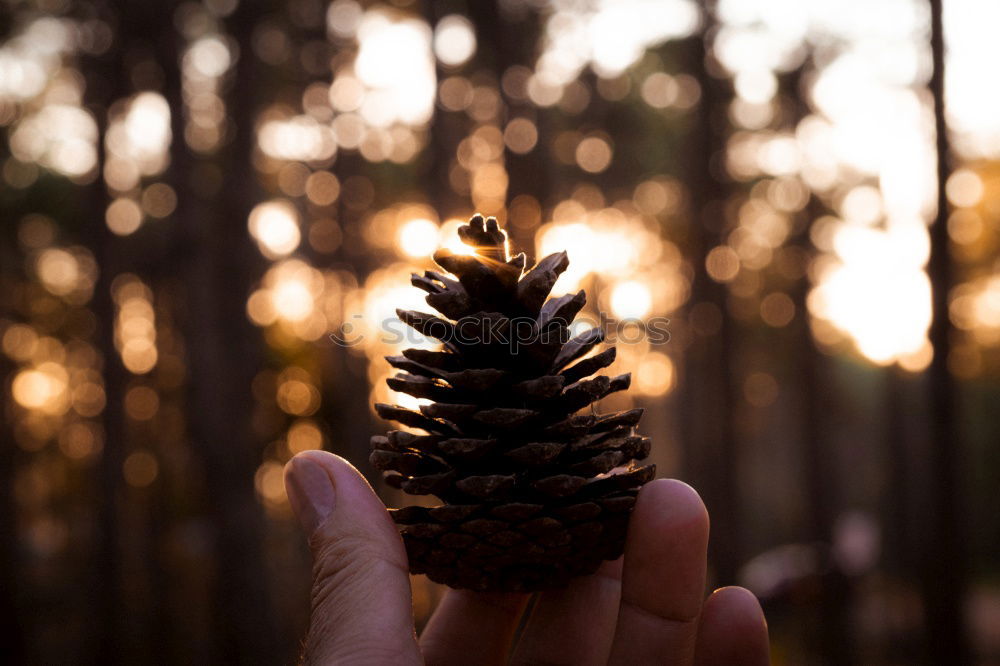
361 609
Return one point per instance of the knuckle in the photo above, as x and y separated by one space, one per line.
346 565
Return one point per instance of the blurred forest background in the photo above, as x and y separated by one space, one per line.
196 194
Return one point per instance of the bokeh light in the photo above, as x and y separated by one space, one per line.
135 325
454 40
275 227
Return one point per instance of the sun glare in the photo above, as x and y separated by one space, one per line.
418 238
876 292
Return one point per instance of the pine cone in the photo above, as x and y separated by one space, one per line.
534 493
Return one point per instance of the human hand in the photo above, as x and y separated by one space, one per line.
649 609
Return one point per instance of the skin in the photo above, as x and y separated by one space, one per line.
645 608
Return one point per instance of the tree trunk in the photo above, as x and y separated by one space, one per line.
12 626
819 477
711 454
444 132
224 353
945 560
108 82
503 42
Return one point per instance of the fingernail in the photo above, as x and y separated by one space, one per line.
310 492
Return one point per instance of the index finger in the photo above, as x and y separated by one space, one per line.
472 628
663 583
